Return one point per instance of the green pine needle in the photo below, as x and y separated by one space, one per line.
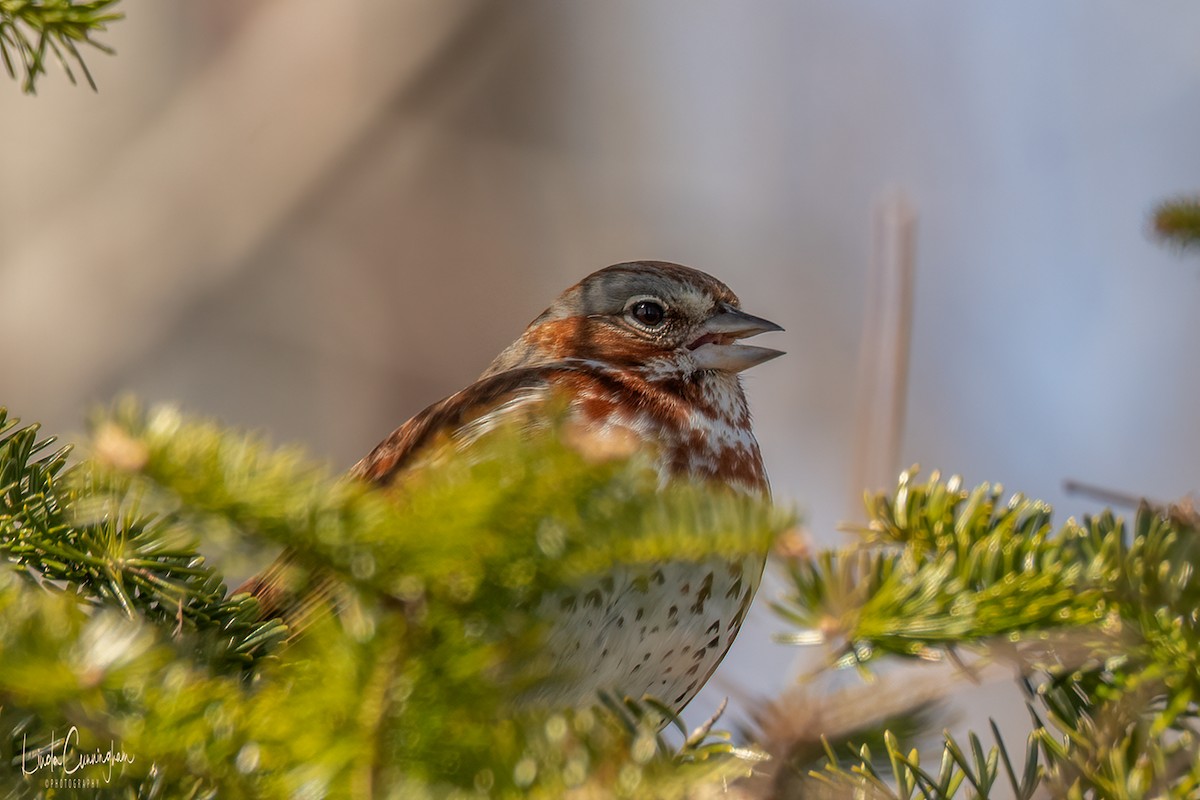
115 628
1099 620
408 692
32 31
1178 221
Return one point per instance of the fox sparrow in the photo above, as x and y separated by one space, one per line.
648 350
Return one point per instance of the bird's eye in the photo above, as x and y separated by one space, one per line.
648 313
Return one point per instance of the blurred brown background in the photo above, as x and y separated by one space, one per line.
315 218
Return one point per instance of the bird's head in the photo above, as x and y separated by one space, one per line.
650 316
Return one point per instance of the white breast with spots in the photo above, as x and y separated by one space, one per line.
656 632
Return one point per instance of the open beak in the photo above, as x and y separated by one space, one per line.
716 347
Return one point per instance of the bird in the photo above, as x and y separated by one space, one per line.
646 352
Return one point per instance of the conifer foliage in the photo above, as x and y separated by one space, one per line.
33 32
118 643
1177 221
1099 618
127 670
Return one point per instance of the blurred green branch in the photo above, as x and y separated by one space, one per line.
1099 620
33 30
1178 221
117 636
115 626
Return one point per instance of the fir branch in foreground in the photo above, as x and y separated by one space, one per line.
1099 621
409 692
586 516
68 533
981 773
1178 221
462 553
33 30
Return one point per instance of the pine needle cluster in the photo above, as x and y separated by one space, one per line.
120 646
34 31
1177 221
121 649
1098 618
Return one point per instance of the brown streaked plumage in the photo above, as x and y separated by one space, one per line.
645 348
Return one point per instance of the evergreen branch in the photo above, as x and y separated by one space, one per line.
1101 623
904 777
588 518
414 689
109 551
971 568
460 579
1178 221
31 30
806 722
